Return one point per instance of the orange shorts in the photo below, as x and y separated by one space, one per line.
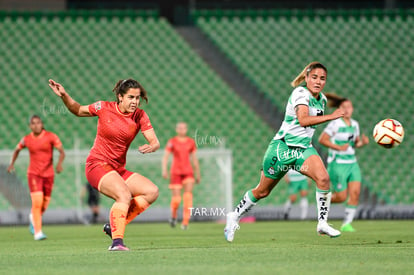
176 180
95 170
40 184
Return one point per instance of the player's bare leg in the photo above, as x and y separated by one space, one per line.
144 192
339 197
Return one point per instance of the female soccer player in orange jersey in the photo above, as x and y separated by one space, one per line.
40 172
183 149
119 122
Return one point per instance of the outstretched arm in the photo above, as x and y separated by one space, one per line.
196 165
153 143
16 152
73 106
302 112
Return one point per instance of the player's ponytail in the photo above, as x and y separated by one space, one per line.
301 77
123 85
334 100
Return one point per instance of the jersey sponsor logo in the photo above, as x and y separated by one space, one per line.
323 209
98 106
271 171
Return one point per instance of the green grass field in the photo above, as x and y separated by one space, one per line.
379 247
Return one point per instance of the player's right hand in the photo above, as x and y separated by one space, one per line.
164 174
57 88
337 114
10 169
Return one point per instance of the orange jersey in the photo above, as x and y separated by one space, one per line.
41 152
115 132
181 150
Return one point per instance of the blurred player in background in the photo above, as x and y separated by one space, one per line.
40 173
342 136
298 183
291 148
92 199
119 122
183 149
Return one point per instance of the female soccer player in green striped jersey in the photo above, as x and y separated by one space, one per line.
291 148
342 136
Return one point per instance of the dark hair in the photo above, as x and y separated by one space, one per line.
305 72
335 100
33 117
123 85
36 116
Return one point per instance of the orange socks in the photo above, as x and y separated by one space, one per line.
37 204
175 203
117 219
137 206
188 203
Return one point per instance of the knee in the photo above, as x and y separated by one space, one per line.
123 195
37 204
152 194
323 181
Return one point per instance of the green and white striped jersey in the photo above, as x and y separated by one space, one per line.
294 134
295 176
341 134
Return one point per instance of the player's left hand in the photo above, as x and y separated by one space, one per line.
365 139
198 179
144 149
59 168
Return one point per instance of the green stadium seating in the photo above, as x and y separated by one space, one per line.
88 53
369 57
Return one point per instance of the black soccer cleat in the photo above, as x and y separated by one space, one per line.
172 222
107 230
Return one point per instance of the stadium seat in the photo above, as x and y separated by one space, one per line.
88 52
368 56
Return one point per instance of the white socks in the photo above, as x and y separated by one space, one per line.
286 207
245 204
323 202
303 208
349 214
